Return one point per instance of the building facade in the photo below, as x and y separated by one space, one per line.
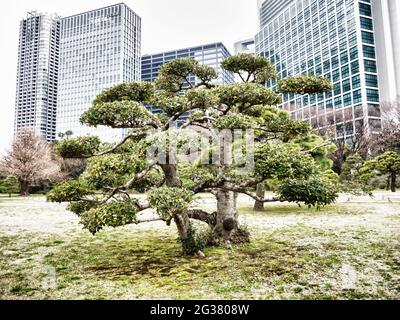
210 54
336 39
386 17
37 74
244 46
99 49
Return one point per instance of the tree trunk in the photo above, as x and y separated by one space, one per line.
24 186
258 205
185 232
181 220
227 226
171 175
388 184
393 182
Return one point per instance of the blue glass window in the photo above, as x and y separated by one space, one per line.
365 10
370 66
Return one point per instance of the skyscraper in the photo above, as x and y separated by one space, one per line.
99 48
336 39
37 74
210 54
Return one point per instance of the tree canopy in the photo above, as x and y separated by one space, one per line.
385 164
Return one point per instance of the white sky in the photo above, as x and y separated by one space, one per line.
166 25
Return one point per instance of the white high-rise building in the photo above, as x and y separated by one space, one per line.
37 74
99 49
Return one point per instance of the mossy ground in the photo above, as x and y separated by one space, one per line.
345 251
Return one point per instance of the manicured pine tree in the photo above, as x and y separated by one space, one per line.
102 197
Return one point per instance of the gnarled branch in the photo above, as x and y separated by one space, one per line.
198 214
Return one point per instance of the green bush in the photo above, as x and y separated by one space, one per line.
200 236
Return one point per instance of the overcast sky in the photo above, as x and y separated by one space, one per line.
166 25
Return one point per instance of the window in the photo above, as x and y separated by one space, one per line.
366 23
372 95
355 67
370 66
353 53
367 37
327 66
344 58
365 10
318 70
335 62
336 75
345 71
346 85
356 82
371 80
369 52
347 99
337 89
357 96
352 39
338 102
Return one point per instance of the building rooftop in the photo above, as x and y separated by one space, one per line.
200 47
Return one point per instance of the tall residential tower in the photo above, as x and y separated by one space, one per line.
99 49
340 40
37 74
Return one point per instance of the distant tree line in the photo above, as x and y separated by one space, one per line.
369 159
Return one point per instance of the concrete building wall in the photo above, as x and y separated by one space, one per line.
387 27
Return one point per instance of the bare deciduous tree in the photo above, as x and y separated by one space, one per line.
30 160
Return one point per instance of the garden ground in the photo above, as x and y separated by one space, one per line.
350 250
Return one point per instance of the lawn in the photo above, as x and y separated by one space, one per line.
350 250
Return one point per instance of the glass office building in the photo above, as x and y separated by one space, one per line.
99 49
37 74
210 54
332 38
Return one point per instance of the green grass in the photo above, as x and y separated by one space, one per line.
300 260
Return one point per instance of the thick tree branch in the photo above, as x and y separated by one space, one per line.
209 218
121 143
149 220
128 184
325 144
172 119
240 76
250 194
